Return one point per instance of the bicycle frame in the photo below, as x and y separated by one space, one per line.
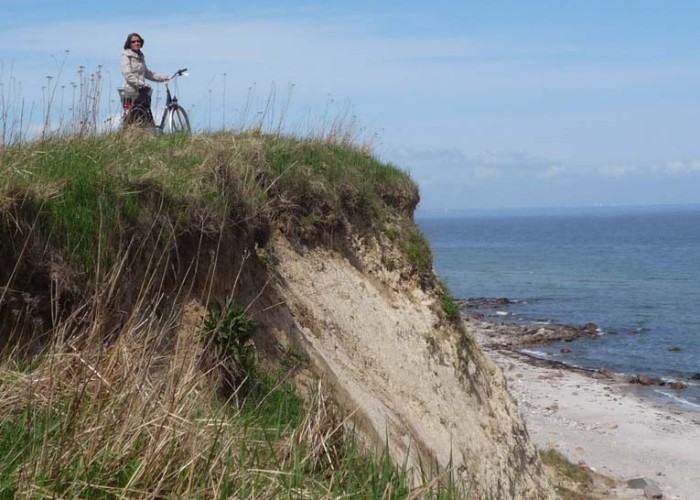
171 103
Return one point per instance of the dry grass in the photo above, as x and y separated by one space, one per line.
113 246
139 417
130 408
574 481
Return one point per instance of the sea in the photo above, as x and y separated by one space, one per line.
633 271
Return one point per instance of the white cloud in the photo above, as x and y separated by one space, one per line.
454 165
341 55
669 168
679 167
617 170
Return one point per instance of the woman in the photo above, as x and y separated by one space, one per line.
137 93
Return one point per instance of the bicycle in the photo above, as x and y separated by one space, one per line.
137 111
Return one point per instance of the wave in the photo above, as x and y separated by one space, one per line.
678 399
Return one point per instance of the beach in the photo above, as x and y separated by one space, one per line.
600 423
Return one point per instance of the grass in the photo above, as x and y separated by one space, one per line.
229 331
571 481
106 242
127 422
137 417
87 193
448 304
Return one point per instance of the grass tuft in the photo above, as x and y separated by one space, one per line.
571 481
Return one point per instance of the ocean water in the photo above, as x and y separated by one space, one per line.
635 272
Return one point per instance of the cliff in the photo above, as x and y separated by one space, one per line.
315 241
408 377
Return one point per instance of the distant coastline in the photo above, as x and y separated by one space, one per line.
535 341
427 213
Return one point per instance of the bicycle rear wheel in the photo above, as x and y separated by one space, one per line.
138 117
176 120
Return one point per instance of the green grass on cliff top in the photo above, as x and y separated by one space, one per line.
84 192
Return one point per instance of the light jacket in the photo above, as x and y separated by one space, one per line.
136 72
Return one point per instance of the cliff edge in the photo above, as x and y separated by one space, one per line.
314 239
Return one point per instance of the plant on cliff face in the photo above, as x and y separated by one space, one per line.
432 342
417 250
449 306
571 481
230 330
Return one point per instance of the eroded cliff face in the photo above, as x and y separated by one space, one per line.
407 376
372 330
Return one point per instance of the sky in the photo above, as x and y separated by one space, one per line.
487 105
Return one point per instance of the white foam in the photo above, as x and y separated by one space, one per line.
535 354
679 400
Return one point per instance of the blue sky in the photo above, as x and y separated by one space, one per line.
485 104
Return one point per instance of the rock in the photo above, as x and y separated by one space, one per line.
639 483
646 380
653 491
674 349
565 351
485 302
590 327
678 385
553 407
695 376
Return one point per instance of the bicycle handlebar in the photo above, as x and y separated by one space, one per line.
179 72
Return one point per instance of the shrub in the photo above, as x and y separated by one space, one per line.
229 331
449 306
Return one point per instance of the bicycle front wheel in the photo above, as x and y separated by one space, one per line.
177 121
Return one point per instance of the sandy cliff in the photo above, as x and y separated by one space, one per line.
409 377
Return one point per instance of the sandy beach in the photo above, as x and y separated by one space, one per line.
602 424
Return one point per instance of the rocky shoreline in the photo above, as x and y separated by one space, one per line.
596 418
511 336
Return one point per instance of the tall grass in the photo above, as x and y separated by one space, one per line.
71 104
83 101
139 418
122 238
133 410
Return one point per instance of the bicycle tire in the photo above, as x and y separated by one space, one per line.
177 121
138 117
